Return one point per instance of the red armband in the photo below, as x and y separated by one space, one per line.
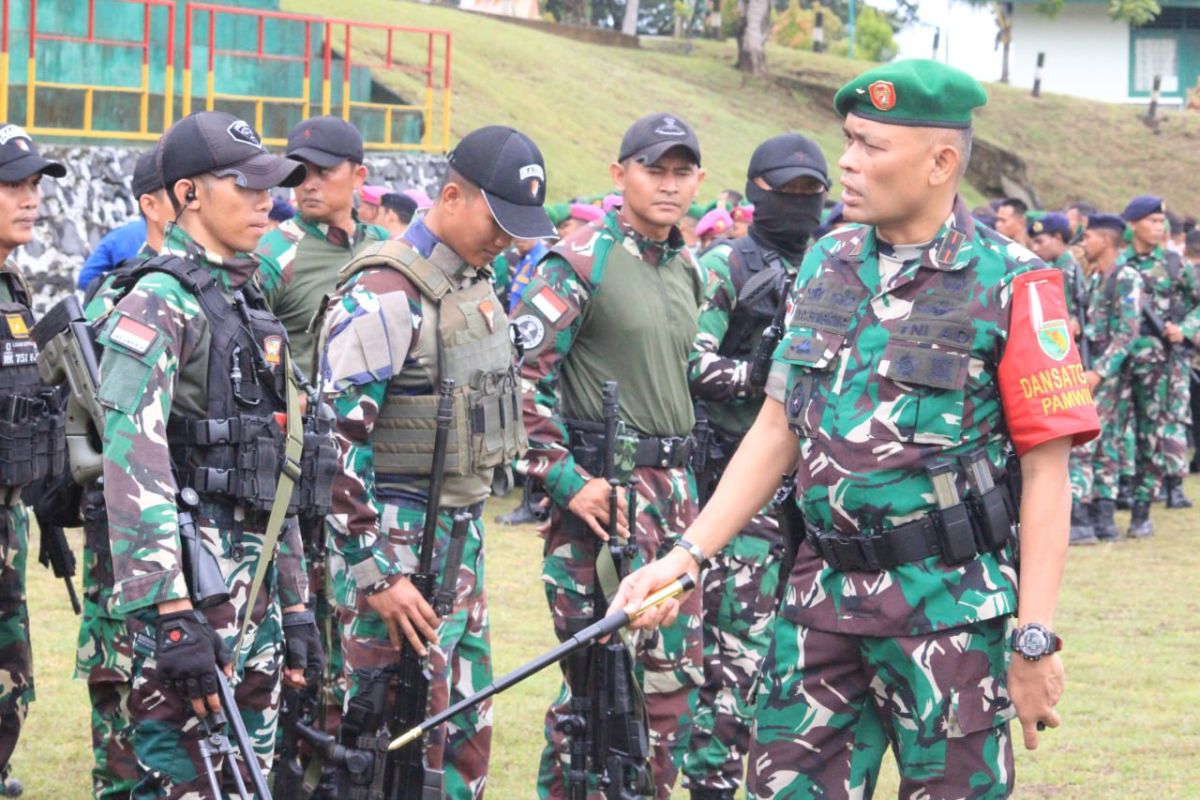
1042 387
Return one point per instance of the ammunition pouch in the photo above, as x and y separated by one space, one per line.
32 441
956 534
313 495
237 459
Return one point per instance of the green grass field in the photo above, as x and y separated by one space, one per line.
576 100
1130 615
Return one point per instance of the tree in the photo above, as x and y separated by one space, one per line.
752 35
630 23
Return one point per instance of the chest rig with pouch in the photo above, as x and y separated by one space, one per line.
922 373
465 338
32 441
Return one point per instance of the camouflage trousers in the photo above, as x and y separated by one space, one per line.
1095 465
832 704
104 658
1178 420
16 657
669 662
1160 428
739 611
458 665
166 733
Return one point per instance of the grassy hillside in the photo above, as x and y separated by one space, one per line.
576 99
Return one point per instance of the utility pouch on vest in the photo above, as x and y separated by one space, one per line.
952 521
31 440
313 495
257 449
990 503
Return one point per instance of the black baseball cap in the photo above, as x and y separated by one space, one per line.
19 156
325 141
508 168
220 143
648 139
784 158
146 179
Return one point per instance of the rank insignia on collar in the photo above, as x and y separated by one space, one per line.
947 251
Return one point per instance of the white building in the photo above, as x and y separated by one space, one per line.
1088 54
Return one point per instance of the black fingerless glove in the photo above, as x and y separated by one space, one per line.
188 652
302 643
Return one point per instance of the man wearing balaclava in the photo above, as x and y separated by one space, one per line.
748 282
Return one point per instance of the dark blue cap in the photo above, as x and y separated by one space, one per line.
1052 223
1101 222
1142 206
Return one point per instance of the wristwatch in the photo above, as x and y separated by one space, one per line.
1033 641
692 550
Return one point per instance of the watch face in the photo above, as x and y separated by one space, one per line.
1034 642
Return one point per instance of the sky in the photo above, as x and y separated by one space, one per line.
967 41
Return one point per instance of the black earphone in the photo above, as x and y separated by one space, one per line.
190 196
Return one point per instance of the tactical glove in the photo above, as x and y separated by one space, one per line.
302 642
188 651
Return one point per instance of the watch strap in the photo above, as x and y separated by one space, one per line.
692 550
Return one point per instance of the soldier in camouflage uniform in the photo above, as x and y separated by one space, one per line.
1159 377
921 350
104 654
21 170
409 313
618 300
193 373
1114 318
298 267
748 280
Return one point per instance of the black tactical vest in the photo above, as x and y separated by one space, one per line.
32 443
233 453
760 278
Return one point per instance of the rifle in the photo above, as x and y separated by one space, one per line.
606 626
606 724
760 367
1158 329
365 770
55 502
1081 307
206 587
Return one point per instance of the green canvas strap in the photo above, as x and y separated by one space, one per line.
292 452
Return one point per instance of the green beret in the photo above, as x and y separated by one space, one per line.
695 211
558 212
915 91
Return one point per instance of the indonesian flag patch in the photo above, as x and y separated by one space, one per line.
133 335
551 306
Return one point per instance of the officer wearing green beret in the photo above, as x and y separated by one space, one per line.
924 357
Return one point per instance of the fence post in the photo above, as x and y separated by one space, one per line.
1037 75
1152 111
818 37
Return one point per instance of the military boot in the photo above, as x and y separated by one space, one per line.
1104 524
1081 524
1194 464
1125 493
10 787
1175 496
1140 526
712 794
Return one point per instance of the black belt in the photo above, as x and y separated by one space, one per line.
912 541
664 452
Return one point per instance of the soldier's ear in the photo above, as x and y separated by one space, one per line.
616 171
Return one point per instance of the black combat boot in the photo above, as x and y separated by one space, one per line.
1140 526
1175 496
1104 524
1194 464
712 794
1125 493
9 786
1081 524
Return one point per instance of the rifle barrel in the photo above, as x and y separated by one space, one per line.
597 630
437 474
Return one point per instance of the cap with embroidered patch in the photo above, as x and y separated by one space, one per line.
508 167
649 139
786 157
19 156
221 144
1143 206
915 91
325 141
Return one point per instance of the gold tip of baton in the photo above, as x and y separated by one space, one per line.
406 739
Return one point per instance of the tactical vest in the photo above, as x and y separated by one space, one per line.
465 338
760 278
32 441
227 423
824 311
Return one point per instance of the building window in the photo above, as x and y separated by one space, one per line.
1154 55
